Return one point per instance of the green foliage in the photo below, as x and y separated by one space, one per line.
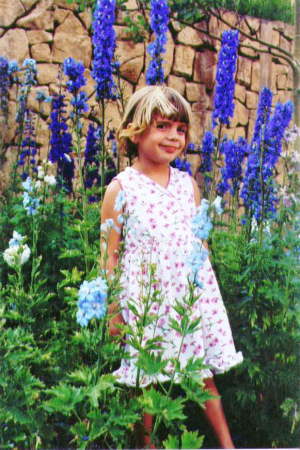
192 11
189 439
261 287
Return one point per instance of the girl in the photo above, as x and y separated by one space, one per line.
159 203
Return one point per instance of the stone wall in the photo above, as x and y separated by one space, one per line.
51 30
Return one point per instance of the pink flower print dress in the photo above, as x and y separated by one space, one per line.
158 231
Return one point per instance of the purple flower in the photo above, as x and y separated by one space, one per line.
224 91
75 70
159 19
263 113
29 80
104 41
5 84
28 146
259 191
182 165
234 155
61 144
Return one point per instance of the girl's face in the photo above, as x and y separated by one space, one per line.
162 141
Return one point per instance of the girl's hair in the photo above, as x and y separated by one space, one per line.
143 105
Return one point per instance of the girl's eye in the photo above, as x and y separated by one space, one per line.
161 125
182 130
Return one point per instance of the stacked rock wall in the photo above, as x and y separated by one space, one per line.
51 30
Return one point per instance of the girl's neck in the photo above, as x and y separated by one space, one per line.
159 173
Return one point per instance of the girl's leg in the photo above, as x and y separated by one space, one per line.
215 415
147 422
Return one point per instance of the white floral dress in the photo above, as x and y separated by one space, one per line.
158 231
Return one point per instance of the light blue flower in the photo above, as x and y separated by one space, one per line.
16 240
92 296
201 223
120 201
31 204
27 185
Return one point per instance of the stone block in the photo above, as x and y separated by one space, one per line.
177 83
86 17
241 115
184 60
39 18
189 36
66 5
244 71
76 44
281 81
195 92
128 50
255 81
251 100
28 4
47 73
200 121
39 36
41 53
251 52
60 14
205 68
285 44
239 132
13 10
14 45
240 93
252 24
131 69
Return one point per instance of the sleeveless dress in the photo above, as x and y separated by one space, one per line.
157 232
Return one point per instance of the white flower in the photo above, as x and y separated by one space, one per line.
41 172
16 255
38 184
217 204
50 179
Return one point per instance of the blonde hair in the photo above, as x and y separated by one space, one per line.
143 105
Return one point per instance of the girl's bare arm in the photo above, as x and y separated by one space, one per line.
110 243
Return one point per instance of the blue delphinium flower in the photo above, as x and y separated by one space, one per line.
29 147
206 152
91 159
201 227
195 261
234 155
4 84
104 42
263 113
259 190
16 240
29 80
30 202
74 70
225 83
92 298
201 223
159 19
183 165
61 144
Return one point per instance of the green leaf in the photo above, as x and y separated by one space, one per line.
156 403
171 442
191 439
64 399
150 363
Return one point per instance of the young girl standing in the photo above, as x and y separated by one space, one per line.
159 204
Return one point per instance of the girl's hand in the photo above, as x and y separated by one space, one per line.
116 319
